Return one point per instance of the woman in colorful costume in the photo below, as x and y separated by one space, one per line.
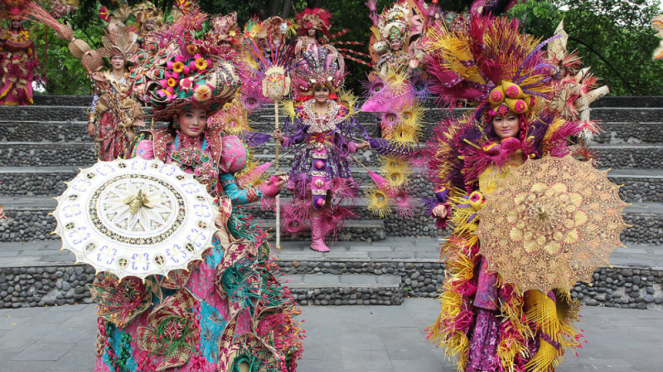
228 312
314 25
322 132
114 111
17 59
485 324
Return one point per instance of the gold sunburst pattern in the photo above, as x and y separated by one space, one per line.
550 223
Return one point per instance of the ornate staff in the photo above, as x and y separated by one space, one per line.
275 58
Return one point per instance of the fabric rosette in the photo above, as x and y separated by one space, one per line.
120 302
172 331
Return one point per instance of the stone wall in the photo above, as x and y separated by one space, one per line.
635 288
45 286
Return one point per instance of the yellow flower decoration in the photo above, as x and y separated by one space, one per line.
201 64
191 49
202 93
178 67
172 82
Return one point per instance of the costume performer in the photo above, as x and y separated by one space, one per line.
17 58
322 132
228 312
114 112
314 25
485 324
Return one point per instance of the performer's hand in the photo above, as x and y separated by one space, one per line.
91 130
138 123
440 211
278 136
364 146
2 214
282 181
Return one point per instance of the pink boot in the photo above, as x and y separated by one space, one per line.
318 233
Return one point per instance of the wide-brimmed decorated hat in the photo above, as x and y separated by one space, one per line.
188 72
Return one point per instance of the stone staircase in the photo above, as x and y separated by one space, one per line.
375 261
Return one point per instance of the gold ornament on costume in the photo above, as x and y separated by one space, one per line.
563 218
657 23
276 83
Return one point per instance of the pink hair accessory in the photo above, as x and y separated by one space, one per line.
520 106
502 110
512 91
496 96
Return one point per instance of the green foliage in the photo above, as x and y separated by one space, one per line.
614 37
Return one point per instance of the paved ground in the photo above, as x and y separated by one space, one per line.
349 338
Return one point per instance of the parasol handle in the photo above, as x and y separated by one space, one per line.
276 165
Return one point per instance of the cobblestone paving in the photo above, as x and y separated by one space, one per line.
354 338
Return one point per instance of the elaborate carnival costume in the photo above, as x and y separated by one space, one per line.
17 58
228 312
320 177
114 110
311 22
575 87
486 323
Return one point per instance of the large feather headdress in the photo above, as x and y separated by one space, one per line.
319 66
488 60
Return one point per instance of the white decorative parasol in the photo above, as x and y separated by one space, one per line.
135 217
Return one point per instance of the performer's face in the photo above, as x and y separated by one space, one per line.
311 32
193 122
506 126
117 62
149 24
395 44
321 94
16 24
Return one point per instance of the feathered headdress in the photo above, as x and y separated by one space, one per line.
394 23
13 9
488 61
319 66
118 41
225 29
147 11
317 19
557 52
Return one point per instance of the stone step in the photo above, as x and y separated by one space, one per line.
432 113
61 100
353 289
64 131
640 185
28 220
625 156
630 132
629 156
351 268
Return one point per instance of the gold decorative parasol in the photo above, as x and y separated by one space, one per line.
550 223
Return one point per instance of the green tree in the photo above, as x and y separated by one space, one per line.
614 37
